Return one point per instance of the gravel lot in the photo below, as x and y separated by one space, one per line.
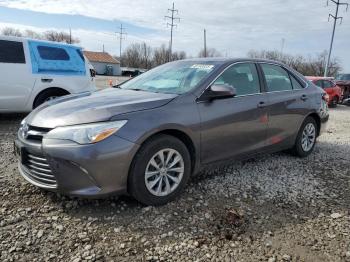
103 82
272 208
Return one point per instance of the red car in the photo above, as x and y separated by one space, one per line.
334 92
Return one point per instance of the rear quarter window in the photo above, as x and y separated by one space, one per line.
295 83
11 52
53 53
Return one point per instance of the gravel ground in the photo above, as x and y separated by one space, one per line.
271 208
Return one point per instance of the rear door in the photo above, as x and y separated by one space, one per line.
288 104
17 81
61 66
234 126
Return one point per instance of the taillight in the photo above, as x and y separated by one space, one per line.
325 97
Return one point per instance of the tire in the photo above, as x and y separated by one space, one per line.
47 95
140 185
334 102
299 149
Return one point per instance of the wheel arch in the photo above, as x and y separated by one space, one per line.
184 138
50 89
317 119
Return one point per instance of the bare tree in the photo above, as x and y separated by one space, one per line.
32 34
144 56
311 66
178 55
48 35
160 55
9 31
132 56
211 52
60 37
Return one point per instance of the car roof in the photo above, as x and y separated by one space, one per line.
230 60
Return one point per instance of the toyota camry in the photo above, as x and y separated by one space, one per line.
147 136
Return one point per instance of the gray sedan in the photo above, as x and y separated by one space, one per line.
147 136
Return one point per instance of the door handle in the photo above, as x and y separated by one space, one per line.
303 97
261 104
46 80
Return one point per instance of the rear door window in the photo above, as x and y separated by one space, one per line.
296 84
53 53
11 52
277 79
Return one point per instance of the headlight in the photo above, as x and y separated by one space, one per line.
87 133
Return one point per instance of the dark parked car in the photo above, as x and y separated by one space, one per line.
343 81
149 135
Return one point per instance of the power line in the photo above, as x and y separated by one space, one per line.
172 25
121 37
335 18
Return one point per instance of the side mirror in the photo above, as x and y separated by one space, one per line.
218 92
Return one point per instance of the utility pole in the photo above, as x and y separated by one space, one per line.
282 45
205 43
335 18
121 37
172 25
70 35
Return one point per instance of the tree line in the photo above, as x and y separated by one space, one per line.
142 55
51 35
308 66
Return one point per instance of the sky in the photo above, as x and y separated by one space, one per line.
233 26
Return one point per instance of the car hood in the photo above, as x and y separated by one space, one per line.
94 107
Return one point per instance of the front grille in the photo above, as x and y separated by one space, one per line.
38 169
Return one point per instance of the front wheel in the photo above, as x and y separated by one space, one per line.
48 95
306 138
159 171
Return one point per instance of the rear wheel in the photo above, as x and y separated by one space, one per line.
48 95
159 171
306 138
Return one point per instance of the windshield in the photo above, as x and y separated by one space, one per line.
344 77
174 78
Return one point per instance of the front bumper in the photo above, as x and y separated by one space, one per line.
93 170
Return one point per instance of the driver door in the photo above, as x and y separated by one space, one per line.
235 126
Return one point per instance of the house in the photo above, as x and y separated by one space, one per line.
103 63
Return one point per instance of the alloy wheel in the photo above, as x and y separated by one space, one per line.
308 137
164 172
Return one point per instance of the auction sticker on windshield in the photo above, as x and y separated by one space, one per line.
203 67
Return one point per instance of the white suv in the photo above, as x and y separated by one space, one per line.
33 71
